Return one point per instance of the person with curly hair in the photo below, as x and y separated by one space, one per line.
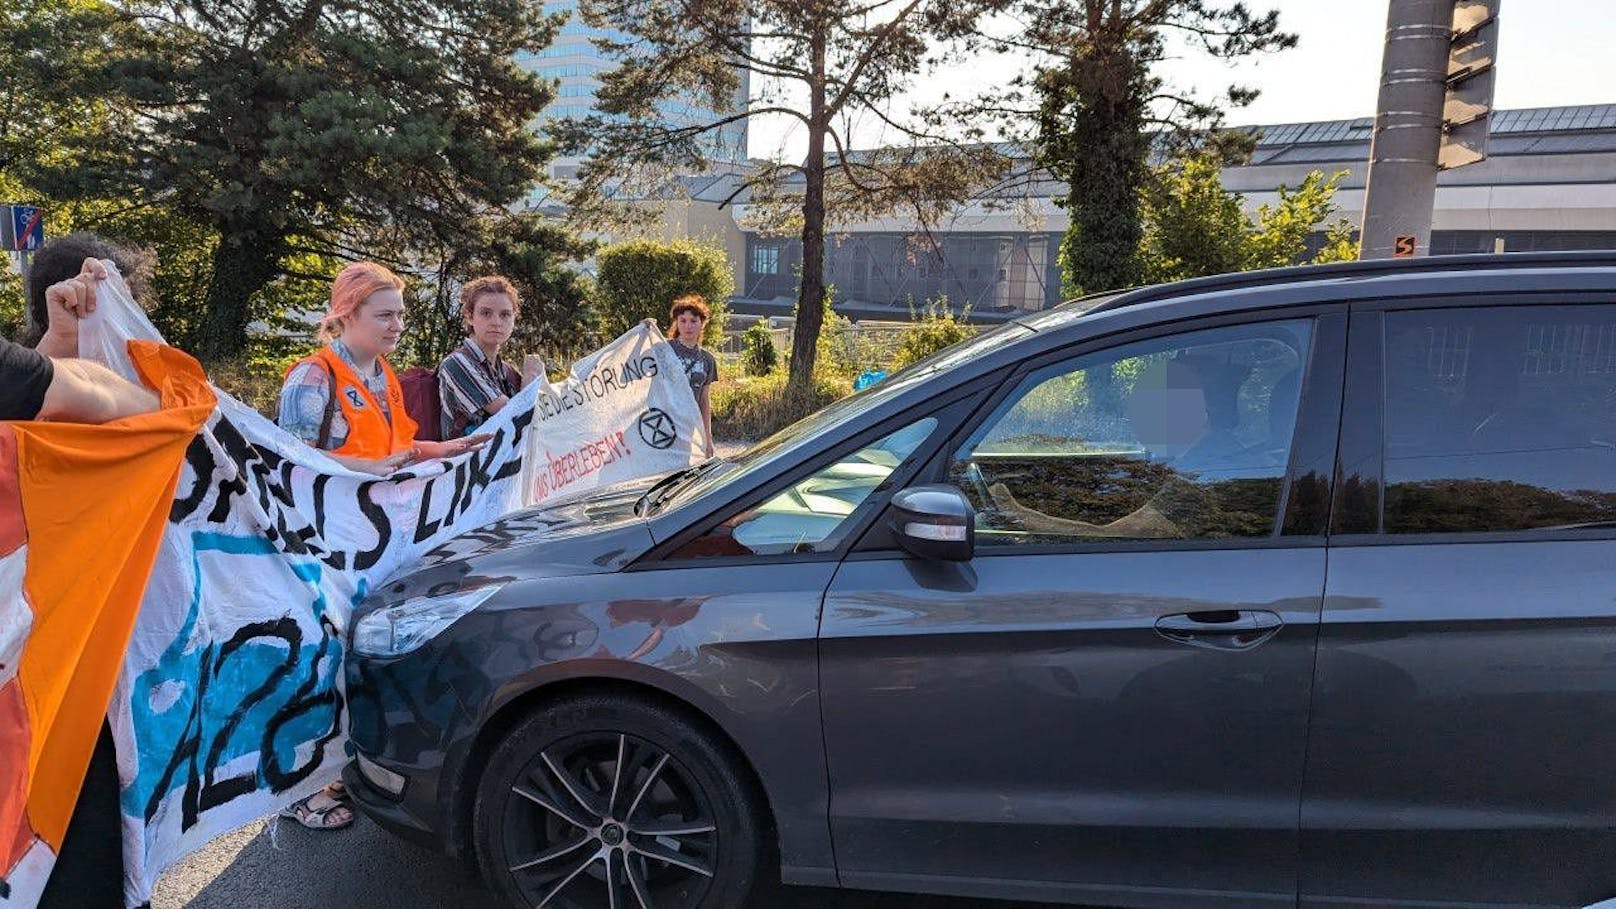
687 319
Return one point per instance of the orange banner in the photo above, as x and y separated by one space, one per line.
82 512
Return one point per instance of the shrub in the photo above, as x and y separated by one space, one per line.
255 377
752 408
835 352
758 356
639 279
840 352
933 328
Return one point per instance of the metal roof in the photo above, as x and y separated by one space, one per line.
1585 129
1531 120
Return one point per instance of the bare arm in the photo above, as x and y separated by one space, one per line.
427 450
58 345
1145 522
381 467
83 391
532 369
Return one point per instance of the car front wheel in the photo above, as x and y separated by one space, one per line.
603 802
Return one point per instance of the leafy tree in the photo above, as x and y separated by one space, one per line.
821 64
308 127
1281 233
1092 102
13 311
1192 226
44 43
1340 243
639 279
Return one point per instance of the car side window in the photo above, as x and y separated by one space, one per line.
813 513
1177 438
1500 419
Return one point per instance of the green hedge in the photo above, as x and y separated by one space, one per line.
639 279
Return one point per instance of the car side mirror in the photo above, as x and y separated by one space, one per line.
934 522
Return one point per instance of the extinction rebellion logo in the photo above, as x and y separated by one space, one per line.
657 429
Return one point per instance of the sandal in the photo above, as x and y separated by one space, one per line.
339 791
320 816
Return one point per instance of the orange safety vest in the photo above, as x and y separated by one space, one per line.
370 433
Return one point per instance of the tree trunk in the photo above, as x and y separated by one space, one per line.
242 265
811 287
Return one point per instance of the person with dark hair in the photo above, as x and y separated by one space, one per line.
40 384
687 319
474 383
60 260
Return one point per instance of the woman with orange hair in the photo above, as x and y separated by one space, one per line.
345 399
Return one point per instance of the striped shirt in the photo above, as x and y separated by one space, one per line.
467 381
307 393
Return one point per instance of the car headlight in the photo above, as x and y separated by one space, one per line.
397 630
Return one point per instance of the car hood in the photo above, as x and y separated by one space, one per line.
595 533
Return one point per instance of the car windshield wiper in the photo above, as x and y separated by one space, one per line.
1585 525
668 485
658 486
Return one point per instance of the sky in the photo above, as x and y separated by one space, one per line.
1551 53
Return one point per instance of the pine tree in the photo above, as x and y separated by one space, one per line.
313 127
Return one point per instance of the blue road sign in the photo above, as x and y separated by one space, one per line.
27 228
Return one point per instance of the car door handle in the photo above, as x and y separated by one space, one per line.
1220 629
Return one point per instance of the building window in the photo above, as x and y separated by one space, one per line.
765 260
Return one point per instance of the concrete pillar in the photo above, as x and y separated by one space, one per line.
1408 127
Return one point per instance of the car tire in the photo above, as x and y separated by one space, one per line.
604 802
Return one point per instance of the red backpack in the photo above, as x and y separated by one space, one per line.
422 403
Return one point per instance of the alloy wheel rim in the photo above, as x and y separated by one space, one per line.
609 821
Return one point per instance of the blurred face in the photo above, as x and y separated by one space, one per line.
689 326
493 317
1167 409
376 327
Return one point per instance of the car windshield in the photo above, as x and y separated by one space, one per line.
756 459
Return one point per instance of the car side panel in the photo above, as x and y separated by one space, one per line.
1464 713
735 643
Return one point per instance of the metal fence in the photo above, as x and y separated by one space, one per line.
861 345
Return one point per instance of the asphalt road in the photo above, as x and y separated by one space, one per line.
363 867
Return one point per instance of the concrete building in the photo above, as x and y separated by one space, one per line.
1549 183
577 64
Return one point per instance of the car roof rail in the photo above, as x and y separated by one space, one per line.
1356 269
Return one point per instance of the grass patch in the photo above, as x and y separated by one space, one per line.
755 407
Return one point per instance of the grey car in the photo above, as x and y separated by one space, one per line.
1278 589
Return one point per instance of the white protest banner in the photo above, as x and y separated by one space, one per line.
229 704
626 411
